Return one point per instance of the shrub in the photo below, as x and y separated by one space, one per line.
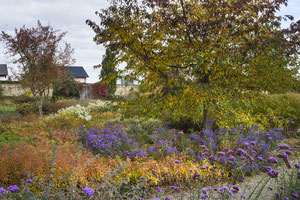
8 138
66 88
99 91
50 107
27 108
1 92
226 113
23 99
7 108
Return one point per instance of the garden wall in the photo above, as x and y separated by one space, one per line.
123 90
12 88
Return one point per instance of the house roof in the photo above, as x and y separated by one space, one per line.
3 70
77 72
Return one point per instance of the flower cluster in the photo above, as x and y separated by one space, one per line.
13 188
88 191
77 111
113 141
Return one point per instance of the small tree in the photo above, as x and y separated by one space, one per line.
108 74
40 57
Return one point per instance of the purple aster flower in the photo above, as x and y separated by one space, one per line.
288 164
281 187
295 195
205 196
292 122
156 199
240 152
271 118
153 172
244 197
246 144
176 188
2 191
297 165
191 170
88 191
223 188
167 198
177 161
13 188
284 146
236 187
205 154
270 188
230 192
273 173
202 167
212 158
273 160
253 143
229 151
288 152
29 180
221 153
141 198
285 198
158 189
204 191
232 158
280 117
260 158
250 158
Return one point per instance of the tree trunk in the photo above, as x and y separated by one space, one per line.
47 95
205 115
40 105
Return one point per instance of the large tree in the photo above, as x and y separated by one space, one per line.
108 73
192 54
40 57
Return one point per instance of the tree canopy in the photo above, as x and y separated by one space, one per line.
40 56
192 54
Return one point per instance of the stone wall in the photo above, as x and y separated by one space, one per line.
14 89
11 89
123 90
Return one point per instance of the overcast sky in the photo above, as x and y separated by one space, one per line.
70 16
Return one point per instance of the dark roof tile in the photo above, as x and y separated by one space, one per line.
77 72
3 70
